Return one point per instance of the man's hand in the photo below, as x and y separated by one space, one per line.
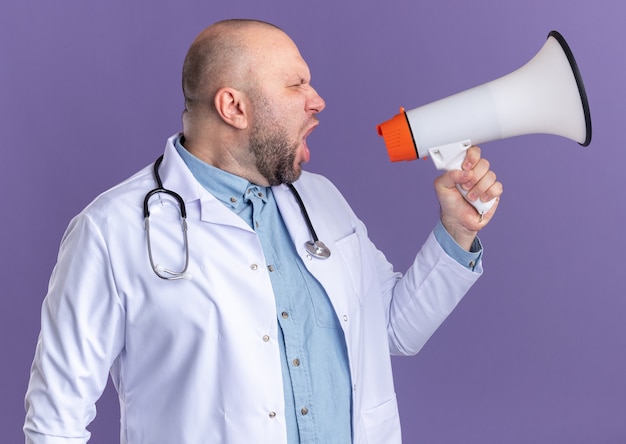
460 218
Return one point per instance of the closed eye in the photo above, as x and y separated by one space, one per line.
300 82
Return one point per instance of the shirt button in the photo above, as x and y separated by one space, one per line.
270 268
296 362
233 199
284 314
266 338
272 415
254 267
304 410
471 264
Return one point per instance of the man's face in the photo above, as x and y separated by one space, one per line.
284 107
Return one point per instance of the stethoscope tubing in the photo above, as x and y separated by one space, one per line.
160 271
314 247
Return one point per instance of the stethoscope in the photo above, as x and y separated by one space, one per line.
314 247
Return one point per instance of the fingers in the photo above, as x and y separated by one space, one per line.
478 179
472 156
483 184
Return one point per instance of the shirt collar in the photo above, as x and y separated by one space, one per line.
229 188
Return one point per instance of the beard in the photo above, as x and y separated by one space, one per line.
275 155
274 152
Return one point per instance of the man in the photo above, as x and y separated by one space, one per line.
260 341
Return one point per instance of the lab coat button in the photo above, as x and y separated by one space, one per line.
272 415
266 338
254 267
345 318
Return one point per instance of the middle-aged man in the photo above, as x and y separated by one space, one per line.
260 341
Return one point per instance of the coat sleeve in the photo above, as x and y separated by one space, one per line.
420 300
82 332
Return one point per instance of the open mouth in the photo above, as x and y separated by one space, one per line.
306 151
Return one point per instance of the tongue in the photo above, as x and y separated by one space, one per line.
307 154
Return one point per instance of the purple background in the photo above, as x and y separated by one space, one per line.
89 90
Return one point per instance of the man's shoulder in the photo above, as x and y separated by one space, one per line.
128 193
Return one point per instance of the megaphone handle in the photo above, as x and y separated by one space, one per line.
450 157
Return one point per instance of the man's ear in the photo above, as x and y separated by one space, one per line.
231 107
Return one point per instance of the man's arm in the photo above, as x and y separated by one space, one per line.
81 334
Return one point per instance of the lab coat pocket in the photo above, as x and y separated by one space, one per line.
381 424
349 249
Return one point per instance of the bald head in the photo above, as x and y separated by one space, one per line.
220 56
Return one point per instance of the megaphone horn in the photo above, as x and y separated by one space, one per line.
544 96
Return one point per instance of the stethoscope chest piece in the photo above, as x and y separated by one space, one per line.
314 247
317 249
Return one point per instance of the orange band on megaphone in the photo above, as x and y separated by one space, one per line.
398 138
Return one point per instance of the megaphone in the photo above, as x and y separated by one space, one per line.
544 96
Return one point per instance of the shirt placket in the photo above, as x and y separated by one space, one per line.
295 366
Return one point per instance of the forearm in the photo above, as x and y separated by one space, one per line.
425 296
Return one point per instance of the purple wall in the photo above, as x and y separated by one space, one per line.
89 90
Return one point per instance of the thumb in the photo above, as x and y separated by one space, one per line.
450 179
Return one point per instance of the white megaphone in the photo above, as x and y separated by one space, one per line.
546 96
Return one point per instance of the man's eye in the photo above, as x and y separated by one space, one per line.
299 83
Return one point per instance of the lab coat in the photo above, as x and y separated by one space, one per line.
197 360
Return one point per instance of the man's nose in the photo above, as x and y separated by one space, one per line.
315 102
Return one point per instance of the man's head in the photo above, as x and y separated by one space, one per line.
249 105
